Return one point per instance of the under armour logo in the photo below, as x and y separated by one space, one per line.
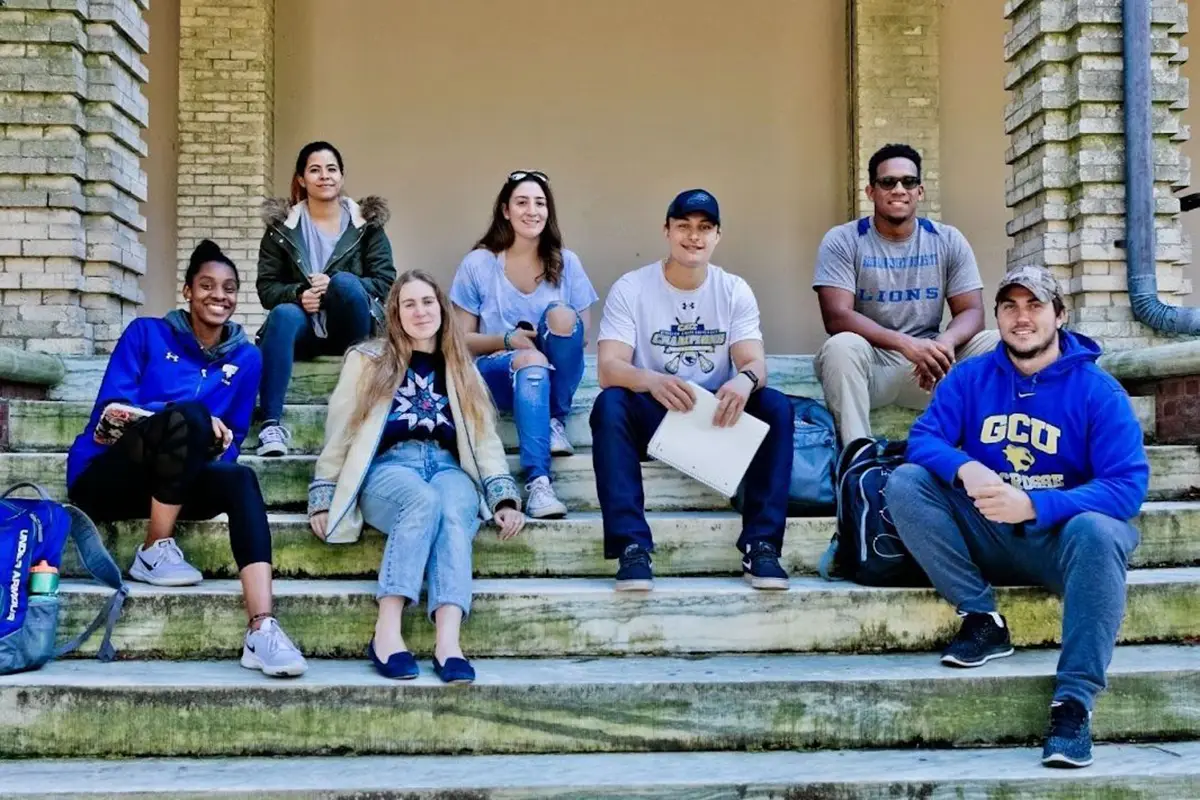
171 356
688 306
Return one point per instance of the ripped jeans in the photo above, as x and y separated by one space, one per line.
536 394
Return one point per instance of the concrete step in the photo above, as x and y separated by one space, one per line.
313 381
38 426
687 543
137 708
1175 474
41 426
1121 770
584 616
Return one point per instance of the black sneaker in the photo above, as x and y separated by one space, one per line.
760 567
636 573
1069 739
981 638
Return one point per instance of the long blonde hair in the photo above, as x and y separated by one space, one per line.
382 375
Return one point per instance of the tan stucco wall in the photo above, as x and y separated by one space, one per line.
623 103
973 139
160 163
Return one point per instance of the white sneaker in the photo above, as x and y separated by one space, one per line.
163 564
269 649
273 441
560 445
543 503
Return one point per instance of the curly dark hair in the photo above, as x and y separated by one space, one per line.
890 151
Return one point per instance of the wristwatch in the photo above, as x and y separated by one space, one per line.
753 378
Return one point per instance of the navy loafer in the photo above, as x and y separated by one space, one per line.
455 670
400 666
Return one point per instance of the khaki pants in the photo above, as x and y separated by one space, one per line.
857 377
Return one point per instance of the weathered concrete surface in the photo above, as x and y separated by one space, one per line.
86 709
1129 772
26 366
1175 474
37 426
584 616
1148 363
313 381
698 543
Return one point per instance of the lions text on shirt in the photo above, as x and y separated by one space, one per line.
903 286
683 333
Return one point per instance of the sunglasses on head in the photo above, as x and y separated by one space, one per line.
522 174
888 182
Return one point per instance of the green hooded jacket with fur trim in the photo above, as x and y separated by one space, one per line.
363 250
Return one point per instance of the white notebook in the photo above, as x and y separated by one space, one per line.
717 457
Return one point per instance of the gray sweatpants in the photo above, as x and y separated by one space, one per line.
963 553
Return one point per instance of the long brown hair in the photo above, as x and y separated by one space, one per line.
500 234
299 193
382 375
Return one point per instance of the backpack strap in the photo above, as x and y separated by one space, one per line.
42 493
825 565
100 564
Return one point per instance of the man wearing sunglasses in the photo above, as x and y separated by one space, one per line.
882 282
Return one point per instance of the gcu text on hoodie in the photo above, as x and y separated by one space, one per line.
160 361
1067 435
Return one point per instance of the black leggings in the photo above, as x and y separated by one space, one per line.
169 457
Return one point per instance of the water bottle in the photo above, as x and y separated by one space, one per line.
43 579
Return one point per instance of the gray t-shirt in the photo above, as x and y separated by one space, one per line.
319 248
902 286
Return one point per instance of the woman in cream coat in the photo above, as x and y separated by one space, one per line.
411 449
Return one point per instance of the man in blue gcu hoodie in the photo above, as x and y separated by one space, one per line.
1024 470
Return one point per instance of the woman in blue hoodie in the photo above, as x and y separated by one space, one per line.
163 440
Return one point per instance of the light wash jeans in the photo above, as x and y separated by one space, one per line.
418 495
537 394
963 553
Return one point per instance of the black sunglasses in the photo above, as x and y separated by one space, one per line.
522 174
888 182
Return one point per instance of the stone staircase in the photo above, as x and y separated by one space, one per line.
703 688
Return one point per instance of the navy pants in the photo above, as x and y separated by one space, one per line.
623 422
287 336
964 553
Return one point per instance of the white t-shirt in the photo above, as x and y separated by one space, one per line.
677 332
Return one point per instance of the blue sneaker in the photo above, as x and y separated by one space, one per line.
1069 740
981 638
636 572
761 568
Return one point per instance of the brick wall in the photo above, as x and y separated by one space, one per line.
1177 410
895 89
71 113
226 86
1066 186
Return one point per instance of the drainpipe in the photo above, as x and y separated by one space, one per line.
1139 182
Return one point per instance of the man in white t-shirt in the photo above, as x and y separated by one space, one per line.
678 320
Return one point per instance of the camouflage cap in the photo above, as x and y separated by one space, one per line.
1037 280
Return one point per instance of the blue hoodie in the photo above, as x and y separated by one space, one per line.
1067 434
160 361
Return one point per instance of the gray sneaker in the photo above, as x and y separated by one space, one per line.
560 445
273 441
543 503
163 564
269 649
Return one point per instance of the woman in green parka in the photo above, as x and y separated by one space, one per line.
324 268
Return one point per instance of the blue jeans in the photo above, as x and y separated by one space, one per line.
623 421
420 498
537 394
1083 561
288 336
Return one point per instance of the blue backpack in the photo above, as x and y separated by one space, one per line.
36 530
814 460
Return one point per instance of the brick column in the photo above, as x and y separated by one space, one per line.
72 112
1066 186
226 108
895 89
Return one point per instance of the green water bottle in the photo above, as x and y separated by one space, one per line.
43 579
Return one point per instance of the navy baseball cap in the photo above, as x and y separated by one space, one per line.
694 201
